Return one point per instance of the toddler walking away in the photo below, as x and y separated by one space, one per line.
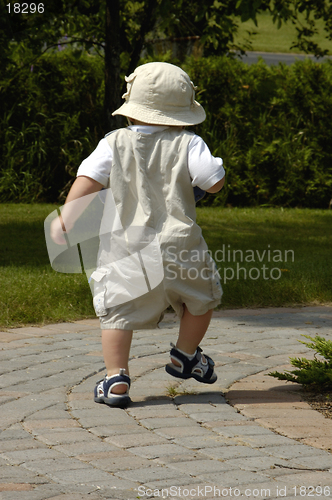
151 168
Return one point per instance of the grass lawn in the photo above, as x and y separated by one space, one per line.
269 38
30 291
266 257
272 257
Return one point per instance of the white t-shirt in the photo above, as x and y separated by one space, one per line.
205 170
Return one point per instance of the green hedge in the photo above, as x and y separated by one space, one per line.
51 121
271 126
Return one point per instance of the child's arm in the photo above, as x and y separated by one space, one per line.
204 168
82 187
217 187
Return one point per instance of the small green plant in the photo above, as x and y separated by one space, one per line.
315 373
172 390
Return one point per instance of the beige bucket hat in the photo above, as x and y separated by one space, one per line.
161 94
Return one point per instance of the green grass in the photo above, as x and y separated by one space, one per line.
31 292
269 38
306 276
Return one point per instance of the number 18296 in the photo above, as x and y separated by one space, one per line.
25 8
312 491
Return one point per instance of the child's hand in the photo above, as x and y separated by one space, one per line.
57 231
80 195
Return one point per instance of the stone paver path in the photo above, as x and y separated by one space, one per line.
247 435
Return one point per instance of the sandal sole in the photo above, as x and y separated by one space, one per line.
121 402
172 371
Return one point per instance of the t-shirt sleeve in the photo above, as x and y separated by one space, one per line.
205 170
98 164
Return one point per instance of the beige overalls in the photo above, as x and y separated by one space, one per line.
164 258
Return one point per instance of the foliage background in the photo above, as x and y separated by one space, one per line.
271 126
50 122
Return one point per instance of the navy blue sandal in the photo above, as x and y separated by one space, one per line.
103 391
201 367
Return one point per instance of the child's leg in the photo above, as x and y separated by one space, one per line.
192 330
116 347
187 360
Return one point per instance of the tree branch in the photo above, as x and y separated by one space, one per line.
146 26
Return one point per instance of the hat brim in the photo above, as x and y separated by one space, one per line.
178 117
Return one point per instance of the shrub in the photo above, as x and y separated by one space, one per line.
314 373
51 122
271 127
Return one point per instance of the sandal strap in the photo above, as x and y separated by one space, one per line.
210 369
103 390
114 380
209 360
187 364
117 379
209 372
